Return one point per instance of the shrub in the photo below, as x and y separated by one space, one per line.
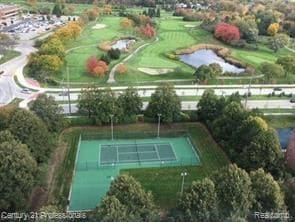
105 58
121 69
114 53
96 67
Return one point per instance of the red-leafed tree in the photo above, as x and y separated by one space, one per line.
227 33
96 67
91 64
147 31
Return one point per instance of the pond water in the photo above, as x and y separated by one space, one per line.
206 57
284 136
123 44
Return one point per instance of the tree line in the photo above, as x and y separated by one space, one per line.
27 139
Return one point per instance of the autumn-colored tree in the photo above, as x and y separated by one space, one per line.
53 47
91 63
93 13
107 9
96 67
227 33
41 66
126 24
121 69
144 20
147 31
71 31
273 29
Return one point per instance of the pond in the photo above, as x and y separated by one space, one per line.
123 44
206 57
284 136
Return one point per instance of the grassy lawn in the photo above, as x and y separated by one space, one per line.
172 35
163 182
10 54
281 121
85 46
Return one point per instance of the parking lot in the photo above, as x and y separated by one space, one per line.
32 26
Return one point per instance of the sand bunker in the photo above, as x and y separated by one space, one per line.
99 26
155 72
189 26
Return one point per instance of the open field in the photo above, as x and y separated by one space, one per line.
281 121
165 188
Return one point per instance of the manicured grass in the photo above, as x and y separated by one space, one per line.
87 45
281 121
163 182
10 54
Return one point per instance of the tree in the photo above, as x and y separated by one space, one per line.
233 188
264 19
100 69
273 29
70 31
164 101
130 103
114 53
96 67
42 66
268 196
231 118
121 69
87 101
53 47
92 14
6 113
279 41
47 109
158 12
18 170
288 63
257 146
205 72
107 9
227 33
209 107
111 210
130 194
147 31
126 24
57 10
271 71
105 58
248 29
199 202
30 130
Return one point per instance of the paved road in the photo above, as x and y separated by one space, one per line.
192 105
192 92
8 88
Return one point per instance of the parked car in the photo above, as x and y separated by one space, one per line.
1 72
292 100
26 91
277 89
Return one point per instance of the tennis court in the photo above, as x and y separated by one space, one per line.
99 161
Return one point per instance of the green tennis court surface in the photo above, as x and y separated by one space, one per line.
98 162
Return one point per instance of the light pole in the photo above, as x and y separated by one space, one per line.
69 97
183 174
159 122
112 126
247 94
